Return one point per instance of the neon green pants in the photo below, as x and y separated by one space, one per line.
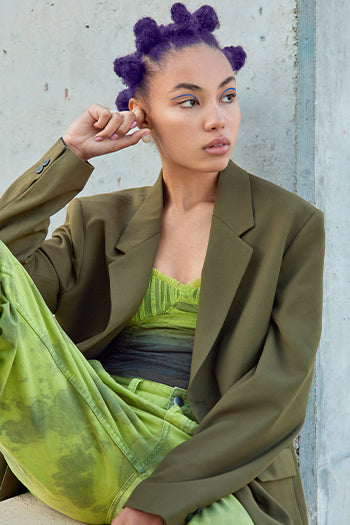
78 438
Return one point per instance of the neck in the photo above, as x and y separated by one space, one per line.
184 189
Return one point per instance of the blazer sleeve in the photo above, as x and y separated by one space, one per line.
259 415
25 211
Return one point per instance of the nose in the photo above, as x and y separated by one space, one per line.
214 118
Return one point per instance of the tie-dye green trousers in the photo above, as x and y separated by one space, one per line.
78 438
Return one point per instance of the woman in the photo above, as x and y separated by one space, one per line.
187 409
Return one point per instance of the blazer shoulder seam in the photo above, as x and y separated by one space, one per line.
315 211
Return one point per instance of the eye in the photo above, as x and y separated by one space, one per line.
228 96
189 103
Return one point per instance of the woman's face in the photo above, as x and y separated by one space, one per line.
192 102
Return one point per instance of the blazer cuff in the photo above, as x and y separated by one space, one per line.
191 514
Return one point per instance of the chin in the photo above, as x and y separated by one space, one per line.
218 164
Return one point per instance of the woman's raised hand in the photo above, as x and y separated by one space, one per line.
100 130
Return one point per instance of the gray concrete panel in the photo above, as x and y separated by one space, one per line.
332 179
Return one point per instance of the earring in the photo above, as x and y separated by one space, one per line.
147 138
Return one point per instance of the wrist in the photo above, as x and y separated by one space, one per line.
73 148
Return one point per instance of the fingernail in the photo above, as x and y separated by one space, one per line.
133 125
114 136
98 139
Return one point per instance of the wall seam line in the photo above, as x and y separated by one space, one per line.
306 188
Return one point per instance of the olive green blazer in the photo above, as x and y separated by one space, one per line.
258 328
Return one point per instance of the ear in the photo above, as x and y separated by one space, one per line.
138 107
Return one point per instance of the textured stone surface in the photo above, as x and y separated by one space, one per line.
333 193
27 510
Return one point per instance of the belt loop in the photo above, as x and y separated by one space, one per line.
134 383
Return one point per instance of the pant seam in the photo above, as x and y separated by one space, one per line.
143 475
83 394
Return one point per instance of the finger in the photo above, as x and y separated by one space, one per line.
119 124
129 140
126 124
139 115
101 115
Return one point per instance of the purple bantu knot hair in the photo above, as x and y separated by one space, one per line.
186 29
122 100
191 28
236 56
180 15
130 68
153 41
147 34
207 18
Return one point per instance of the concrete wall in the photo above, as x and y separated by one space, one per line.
56 58
332 178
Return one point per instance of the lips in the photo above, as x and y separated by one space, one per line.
218 146
220 141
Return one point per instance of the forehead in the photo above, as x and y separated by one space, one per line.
201 65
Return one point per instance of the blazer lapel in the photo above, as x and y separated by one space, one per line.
137 247
131 268
226 259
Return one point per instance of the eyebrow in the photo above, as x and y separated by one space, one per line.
194 87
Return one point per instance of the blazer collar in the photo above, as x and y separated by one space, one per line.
233 203
232 206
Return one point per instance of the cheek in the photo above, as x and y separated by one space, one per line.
238 113
172 128
235 118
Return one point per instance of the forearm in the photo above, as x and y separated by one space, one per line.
26 207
